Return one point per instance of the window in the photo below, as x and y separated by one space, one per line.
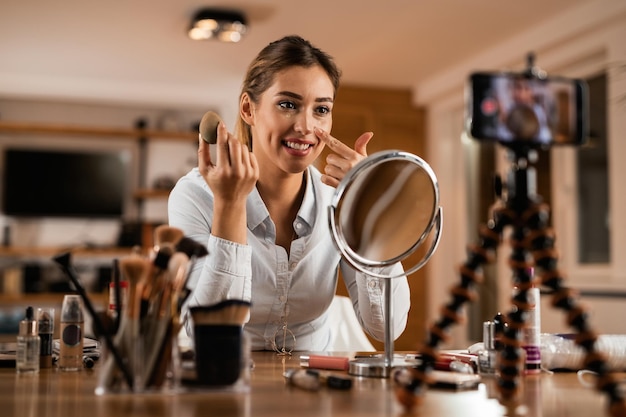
592 181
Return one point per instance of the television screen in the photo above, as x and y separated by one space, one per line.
53 183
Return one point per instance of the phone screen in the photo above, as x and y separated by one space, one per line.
515 108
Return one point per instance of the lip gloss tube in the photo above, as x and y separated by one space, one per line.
457 361
338 363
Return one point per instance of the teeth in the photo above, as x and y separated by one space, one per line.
298 146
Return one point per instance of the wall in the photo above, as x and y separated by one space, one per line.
579 43
397 124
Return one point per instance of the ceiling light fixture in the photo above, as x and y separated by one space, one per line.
223 25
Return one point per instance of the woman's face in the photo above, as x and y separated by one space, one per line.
283 119
522 92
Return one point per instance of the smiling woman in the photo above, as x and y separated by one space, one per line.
262 213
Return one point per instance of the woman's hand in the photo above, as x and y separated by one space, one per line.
231 178
343 157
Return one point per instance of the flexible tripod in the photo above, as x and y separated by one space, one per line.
532 243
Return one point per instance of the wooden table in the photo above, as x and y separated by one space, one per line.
52 393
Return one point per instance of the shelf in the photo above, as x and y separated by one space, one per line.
43 299
74 130
21 251
141 136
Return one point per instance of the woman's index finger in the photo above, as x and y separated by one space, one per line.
334 144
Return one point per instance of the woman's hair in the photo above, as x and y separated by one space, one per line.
290 51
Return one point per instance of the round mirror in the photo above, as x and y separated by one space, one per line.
384 209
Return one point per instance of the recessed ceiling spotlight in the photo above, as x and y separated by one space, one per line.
220 24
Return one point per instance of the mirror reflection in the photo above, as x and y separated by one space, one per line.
384 210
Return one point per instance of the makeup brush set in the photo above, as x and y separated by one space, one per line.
141 349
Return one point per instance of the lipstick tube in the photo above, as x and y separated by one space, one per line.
337 363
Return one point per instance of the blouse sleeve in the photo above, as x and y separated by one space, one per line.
226 271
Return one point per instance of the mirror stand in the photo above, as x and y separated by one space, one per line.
373 366
383 210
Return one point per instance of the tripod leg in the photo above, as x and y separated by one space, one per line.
535 236
410 392
541 240
511 355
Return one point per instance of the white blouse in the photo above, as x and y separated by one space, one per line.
293 290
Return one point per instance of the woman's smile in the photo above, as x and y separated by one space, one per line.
297 147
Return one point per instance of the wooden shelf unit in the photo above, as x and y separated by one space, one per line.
79 131
49 251
76 130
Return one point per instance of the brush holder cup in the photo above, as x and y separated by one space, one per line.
219 353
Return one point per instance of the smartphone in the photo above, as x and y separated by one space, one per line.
515 108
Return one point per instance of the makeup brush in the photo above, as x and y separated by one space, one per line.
167 235
191 248
165 239
194 251
158 372
177 269
155 336
227 312
154 280
118 294
132 269
168 322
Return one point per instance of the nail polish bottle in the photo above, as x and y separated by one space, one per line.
28 345
487 356
499 326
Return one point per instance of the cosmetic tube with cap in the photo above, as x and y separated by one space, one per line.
45 321
338 363
532 333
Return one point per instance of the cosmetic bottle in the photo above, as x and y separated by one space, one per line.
499 326
488 355
532 333
71 334
45 320
27 357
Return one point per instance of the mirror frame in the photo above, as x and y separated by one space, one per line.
435 221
